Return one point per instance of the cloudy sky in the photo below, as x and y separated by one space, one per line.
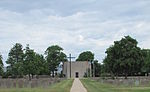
75 25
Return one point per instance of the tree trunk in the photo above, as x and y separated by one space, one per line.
112 75
147 74
52 73
117 76
126 75
32 76
29 77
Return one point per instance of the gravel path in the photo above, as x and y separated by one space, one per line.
77 86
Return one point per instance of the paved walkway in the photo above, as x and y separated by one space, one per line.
77 86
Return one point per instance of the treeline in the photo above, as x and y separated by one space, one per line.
124 58
26 61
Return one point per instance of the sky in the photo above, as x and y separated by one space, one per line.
75 25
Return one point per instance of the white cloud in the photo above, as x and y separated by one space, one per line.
80 30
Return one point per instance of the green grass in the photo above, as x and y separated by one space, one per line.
93 86
63 86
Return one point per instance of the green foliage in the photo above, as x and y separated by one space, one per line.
97 67
54 56
34 64
124 57
146 66
1 62
86 56
29 62
15 60
41 65
1 65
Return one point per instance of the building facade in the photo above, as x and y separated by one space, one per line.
76 69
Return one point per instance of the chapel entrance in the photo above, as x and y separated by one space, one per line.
77 74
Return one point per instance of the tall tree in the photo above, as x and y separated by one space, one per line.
29 66
110 62
54 56
86 56
146 66
34 63
97 68
124 57
1 65
40 64
15 60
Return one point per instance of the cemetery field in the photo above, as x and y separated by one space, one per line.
63 86
94 86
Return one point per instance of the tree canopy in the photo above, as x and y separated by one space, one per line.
1 62
34 63
1 65
124 57
29 62
86 56
97 68
15 60
146 66
54 56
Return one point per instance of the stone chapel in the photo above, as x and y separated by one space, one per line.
76 69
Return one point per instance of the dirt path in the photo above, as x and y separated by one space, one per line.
77 86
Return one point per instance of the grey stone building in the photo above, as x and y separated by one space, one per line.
78 69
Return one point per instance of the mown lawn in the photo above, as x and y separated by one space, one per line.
63 86
93 86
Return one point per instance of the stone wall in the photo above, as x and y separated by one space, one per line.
131 81
25 83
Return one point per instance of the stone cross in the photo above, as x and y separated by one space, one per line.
70 57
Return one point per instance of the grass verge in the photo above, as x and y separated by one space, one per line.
93 86
63 86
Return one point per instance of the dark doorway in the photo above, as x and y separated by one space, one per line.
77 75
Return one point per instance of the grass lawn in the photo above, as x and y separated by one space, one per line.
63 86
93 86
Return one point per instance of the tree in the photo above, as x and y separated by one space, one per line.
1 65
15 60
97 68
34 63
124 57
110 62
54 56
29 66
86 56
41 64
146 66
